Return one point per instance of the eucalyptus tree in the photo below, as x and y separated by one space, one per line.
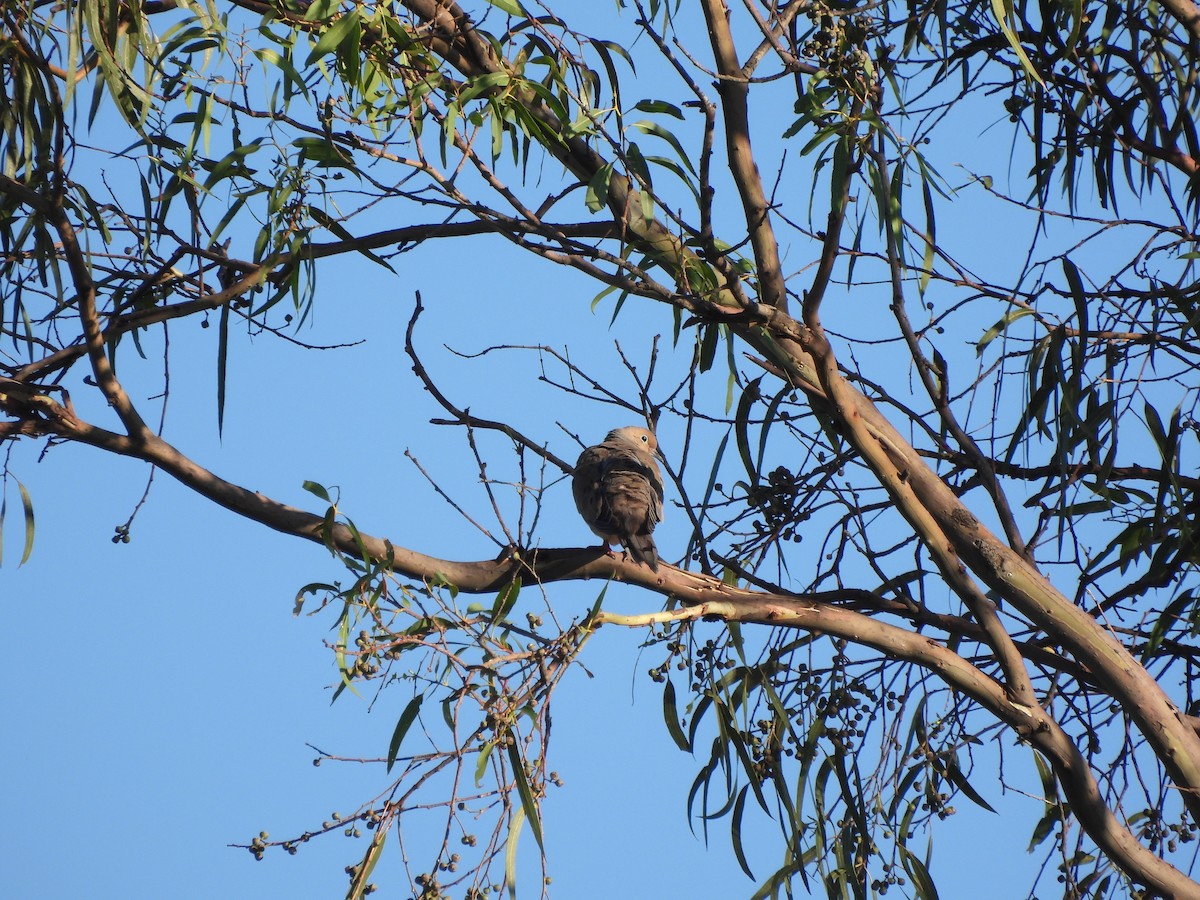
932 428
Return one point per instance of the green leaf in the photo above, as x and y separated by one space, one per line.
402 725
320 216
735 831
339 652
526 792
648 127
481 763
750 396
1053 813
708 346
321 9
293 80
222 365
512 7
232 163
27 506
700 786
1001 326
310 588
930 230
837 179
659 106
597 190
318 490
1003 11
697 531
1171 617
332 37
505 600
917 871
959 780
323 152
895 211
510 851
1165 439
637 163
483 85
362 874
1043 829
671 717
600 296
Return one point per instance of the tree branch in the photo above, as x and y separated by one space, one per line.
733 86
1033 724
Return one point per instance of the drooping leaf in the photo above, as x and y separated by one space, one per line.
361 878
922 881
1003 11
750 395
510 850
735 831
959 780
222 364
27 508
525 791
671 717
597 190
402 725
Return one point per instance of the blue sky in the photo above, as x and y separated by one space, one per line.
161 695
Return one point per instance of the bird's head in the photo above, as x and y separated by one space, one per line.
636 437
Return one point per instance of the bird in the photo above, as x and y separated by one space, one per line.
619 491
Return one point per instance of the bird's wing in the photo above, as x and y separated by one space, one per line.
632 490
587 485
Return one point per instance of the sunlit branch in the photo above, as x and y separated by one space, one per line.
733 88
1033 724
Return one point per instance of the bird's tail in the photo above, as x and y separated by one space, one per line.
641 547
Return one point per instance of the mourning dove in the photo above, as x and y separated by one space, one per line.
619 491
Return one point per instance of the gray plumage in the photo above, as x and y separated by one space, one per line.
619 491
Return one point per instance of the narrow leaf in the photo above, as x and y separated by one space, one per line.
406 719
510 851
481 763
735 831
1001 325
27 505
509 6
597 190
362 875
671 716
333 36
959 780
749 397
1002 10
922 882
526 793
222 361
505 600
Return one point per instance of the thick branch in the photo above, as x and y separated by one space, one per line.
734 88
1187 13
708 596
903 473
85 289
